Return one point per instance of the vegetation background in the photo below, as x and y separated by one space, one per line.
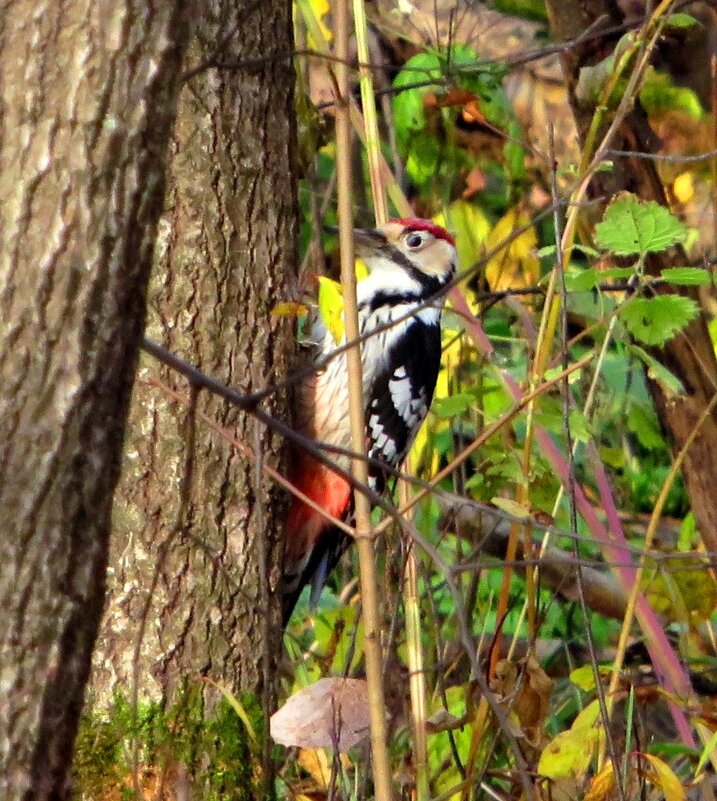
547 604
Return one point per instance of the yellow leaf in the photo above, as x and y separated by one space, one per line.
450 358
681 589
316 763
470 227
511 507
331 307
289 308
662 776
584 677
684 187
361 270
602 784
331 301
515 265
319 35
569 754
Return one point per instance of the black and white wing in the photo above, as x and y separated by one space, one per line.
401 396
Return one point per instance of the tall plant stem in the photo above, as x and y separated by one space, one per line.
369 590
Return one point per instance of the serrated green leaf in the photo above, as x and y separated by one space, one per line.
686 276
631 227
658 372
654 321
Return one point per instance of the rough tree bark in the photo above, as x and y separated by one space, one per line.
690 355
87 97
191 590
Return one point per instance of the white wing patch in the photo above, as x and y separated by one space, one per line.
400 388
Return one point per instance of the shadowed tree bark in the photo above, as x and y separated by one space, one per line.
196 553
690 355
87 97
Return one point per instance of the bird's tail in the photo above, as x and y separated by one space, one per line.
312 545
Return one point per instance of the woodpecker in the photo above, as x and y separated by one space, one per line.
409 261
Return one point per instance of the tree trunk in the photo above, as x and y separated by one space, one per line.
87 98
196 553
690 355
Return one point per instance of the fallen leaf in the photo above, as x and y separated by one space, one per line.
602 784
660 774
515 265
331 713
443 720
475 182
568 755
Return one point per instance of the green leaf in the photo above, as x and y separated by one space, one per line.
686 276
680 20
659 95
579 426
617 273
645 427
554 372
631 227
706 754
592 80
613 457
446 408
408 109
658 372
654 321
582 280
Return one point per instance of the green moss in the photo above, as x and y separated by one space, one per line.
212 746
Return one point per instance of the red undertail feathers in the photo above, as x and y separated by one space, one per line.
312 544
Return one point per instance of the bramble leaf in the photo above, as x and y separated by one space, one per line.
686 276
658 372
654 321
631 227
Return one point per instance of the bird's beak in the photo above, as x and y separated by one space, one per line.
366 240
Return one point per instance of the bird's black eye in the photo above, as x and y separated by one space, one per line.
415 239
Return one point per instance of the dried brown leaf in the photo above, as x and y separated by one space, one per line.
331 713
